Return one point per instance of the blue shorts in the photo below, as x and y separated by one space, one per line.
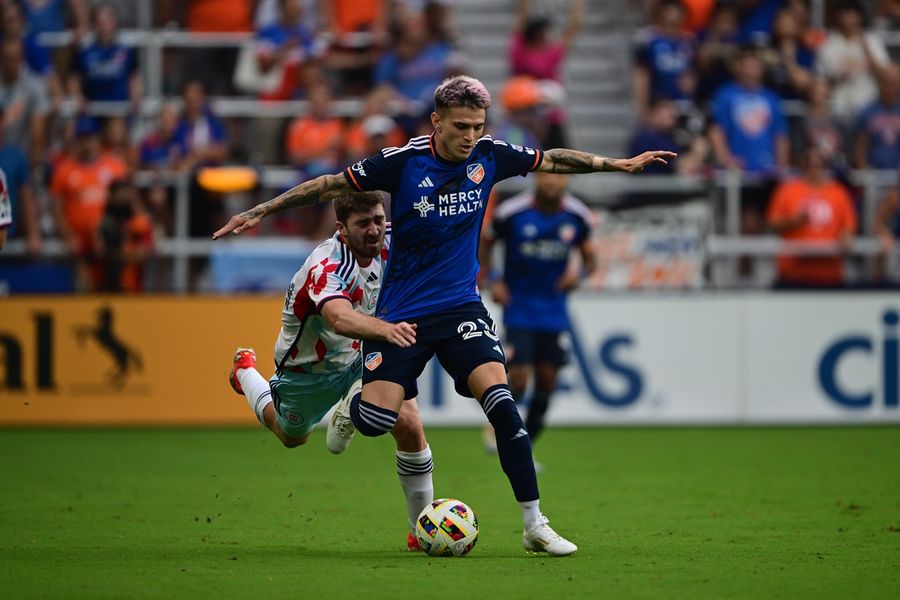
527 347
462 338
303 399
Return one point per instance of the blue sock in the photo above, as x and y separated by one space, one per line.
513 443
371 420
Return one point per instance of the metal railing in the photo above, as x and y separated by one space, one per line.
723 246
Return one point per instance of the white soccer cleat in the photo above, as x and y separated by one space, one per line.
340 427
542 538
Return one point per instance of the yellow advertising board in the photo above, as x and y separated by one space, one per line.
148 360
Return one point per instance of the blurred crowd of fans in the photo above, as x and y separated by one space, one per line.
387 56
710 79
752 85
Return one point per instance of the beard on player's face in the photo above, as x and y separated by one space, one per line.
366 239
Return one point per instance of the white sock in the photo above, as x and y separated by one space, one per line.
414 470
257 391
531 513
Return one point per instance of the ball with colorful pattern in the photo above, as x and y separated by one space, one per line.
447 527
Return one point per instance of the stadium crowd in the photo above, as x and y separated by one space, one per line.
744 84
753 86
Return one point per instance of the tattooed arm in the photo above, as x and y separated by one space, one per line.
563 160
314 191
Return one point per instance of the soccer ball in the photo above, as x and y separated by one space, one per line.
447 527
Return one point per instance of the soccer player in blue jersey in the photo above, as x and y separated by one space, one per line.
539 230
439 185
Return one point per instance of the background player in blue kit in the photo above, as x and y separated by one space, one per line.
539 229
439 185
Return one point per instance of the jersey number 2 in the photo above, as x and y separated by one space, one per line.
470 329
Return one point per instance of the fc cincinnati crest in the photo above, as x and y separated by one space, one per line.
373 359
567 233
475 172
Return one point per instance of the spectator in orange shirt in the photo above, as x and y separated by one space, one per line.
79 189
124 240
812 208
313 141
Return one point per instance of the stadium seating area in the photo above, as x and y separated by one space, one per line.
135 110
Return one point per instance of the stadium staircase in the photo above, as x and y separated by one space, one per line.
597 73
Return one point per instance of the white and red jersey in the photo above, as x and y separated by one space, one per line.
5 205
306 342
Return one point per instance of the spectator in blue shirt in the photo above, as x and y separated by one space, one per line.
757 20
38 58
878 138
789 63
161 149
658 131
411 70
662 130
287 45
202 136
664 62
51 16
106 70
717 46
200 133
887 228
749 131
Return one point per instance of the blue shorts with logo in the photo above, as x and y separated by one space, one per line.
462 338
303 399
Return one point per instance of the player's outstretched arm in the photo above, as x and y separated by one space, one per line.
314 191
564 160
352 324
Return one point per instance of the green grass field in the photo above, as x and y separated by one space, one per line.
657 513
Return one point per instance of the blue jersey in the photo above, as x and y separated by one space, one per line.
106 71
437 208
536 254
752 121
668 60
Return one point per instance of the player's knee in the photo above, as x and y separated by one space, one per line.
369 419
292 442
408 432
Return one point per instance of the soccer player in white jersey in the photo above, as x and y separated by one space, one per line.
439 187
5 209
327 310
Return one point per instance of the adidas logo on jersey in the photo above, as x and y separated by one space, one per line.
426 183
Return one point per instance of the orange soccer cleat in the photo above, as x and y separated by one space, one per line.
412 543
244 358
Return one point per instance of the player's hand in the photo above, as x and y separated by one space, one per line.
238 224
641 161
568 282
500 293
402 334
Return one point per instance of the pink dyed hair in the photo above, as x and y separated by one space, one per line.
461 91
